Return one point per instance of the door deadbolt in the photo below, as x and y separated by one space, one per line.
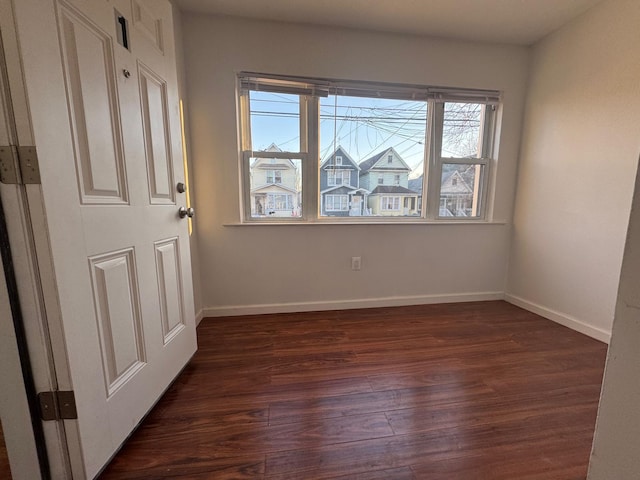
181 188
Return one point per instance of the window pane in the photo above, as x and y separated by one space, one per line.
460 190
275 187
275 121
372 154
461 130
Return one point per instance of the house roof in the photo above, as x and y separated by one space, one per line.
265 163
273 188
371 162
462 186
345 189
383 189
415 184
273 148
342 152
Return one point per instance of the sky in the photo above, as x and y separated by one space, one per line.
363 126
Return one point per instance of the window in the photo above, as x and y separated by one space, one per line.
279 202
338 177
463 152
390 203
274 176
289 123
334 203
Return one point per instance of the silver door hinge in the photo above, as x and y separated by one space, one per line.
19 165
59 405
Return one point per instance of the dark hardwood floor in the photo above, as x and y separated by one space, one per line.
5 470
459 391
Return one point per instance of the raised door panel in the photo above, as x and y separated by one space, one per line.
118 313
148 24
170 289
157 135
88 62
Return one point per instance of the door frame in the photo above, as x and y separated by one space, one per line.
36 286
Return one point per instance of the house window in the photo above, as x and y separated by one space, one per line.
279 201
274 176
292 122
336 203
390 203
338 177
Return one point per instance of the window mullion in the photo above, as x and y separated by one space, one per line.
436 119
245 204
310 170
488 129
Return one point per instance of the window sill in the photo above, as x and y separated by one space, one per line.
365 222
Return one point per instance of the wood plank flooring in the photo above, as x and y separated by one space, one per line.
464 391
5 469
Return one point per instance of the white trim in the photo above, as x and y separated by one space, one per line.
381 220
234 310
199 316
559 317
335 172
384 199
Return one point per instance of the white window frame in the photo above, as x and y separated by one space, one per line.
338 160
274 177
333 172
310 90
342 199
484 159
309 119
384 202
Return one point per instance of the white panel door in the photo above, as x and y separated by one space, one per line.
102 87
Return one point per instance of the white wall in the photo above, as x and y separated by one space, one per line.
277 268
579 151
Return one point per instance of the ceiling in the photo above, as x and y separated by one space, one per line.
520 22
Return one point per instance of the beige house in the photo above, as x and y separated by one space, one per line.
274 187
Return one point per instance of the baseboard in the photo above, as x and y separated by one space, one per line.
199 316
231 310
561 318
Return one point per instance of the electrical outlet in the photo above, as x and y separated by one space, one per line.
356 263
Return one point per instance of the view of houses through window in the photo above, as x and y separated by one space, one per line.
372 156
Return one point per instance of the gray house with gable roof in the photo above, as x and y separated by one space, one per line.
340 191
